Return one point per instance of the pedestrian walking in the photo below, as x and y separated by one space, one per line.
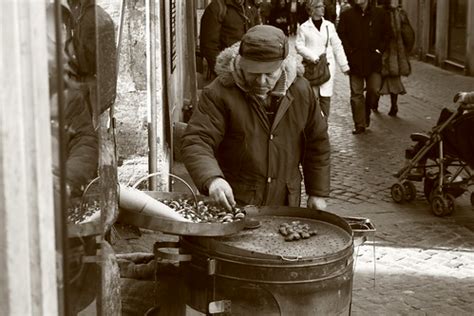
292 8
302 12
330 12
395 60
364 31
279 16
311 40
255 125
222 24
265 6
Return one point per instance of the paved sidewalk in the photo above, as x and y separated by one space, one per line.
424 265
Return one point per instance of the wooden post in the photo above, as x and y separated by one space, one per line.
109 299
27 238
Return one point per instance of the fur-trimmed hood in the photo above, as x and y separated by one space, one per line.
229 72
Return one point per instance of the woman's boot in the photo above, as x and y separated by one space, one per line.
394 108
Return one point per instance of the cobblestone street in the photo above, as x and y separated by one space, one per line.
424 265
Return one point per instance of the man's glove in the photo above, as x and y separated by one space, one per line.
316 203
221 192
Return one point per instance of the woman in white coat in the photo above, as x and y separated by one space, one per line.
311 39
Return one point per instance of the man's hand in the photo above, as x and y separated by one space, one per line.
221 192
464 97
459 97
316 203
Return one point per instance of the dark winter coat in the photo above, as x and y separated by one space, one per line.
229 135
82 148
395 58
222 27
365 37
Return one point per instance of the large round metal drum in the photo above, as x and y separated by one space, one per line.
257 272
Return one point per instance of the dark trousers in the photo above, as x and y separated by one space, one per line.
361 104
324 102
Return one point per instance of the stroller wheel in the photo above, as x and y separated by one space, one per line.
410 190
398 192
442 205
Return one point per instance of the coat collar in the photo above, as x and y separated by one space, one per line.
309 24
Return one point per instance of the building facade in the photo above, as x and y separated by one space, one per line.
444 32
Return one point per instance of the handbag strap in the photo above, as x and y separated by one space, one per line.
327 40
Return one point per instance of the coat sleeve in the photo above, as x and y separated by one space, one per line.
202 138
338 49
300 45
316 160
83 147
344 33
210 33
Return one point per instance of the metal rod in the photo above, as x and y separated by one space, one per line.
191 51
117 66
123 5
151 89
61 213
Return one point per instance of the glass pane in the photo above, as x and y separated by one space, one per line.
82 84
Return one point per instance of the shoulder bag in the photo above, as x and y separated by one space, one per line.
318 73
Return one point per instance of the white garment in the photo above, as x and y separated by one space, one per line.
310 43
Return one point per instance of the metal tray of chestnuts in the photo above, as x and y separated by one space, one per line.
207 219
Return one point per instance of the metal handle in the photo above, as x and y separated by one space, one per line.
170 175
291 259
85 191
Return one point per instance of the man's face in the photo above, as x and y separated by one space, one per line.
262 83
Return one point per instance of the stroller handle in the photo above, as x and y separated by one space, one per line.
466 106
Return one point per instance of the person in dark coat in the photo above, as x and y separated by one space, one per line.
255 125
223 23
279 16
330 12
396 62
93 65
80 140
265 6
292 10
364 31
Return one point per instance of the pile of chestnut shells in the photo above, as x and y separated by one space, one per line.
204 212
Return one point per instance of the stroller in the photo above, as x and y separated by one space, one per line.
443 159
